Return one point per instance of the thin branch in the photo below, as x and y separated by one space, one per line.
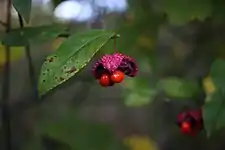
30 62
6 120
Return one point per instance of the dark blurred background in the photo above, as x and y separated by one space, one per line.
178 39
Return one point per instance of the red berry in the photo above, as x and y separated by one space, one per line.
185 127
117 76
104 80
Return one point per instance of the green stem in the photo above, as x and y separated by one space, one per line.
30 62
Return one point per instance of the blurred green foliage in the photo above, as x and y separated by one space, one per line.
78 134
175 87
33 35
213 110
181 12
140 34
138 92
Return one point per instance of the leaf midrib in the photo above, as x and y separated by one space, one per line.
75 52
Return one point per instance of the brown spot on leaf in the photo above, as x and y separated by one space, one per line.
51 59
71 70
61 78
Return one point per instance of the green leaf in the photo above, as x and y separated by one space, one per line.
138 92
217 73
70 57
23 7
32 35
181 12
214 107
175 87
214 112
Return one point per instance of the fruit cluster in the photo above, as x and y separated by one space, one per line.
190 122
112 68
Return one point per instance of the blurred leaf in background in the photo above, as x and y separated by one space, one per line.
217 73
33 35
15 52
176 87
214 112
208 85
181 12
79 134
214 107
138 92
139 142
23 8
137 99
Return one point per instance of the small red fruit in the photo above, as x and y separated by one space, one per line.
185 127
117 76
104 80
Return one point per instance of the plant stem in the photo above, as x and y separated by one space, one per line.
6 121
30 62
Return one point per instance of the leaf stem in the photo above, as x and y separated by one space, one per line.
30 62
6 120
